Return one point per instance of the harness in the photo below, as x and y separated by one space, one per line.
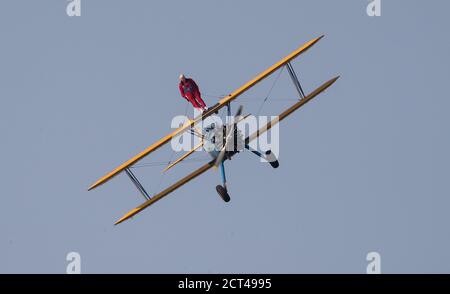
188 88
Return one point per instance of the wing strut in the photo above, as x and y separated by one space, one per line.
295 80
167 191
137 184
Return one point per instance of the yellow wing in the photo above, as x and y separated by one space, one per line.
224 101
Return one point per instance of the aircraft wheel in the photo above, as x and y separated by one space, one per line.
223 193
272 159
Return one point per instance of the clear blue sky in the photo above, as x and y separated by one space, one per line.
363 168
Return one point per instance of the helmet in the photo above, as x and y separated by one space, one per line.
182 77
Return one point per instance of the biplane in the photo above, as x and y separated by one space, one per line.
228 133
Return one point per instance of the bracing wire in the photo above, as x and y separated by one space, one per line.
161 177
213 96
162 163
165 163
270 91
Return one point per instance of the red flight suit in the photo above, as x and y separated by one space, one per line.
190 91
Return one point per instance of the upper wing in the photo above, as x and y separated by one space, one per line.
224 101
261 76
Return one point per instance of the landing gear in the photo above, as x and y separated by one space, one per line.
268 156
272 159
223 193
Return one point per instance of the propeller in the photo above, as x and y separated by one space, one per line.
230 131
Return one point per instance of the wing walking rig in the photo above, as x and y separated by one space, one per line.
222 154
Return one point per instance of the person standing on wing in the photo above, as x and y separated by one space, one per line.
190 91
